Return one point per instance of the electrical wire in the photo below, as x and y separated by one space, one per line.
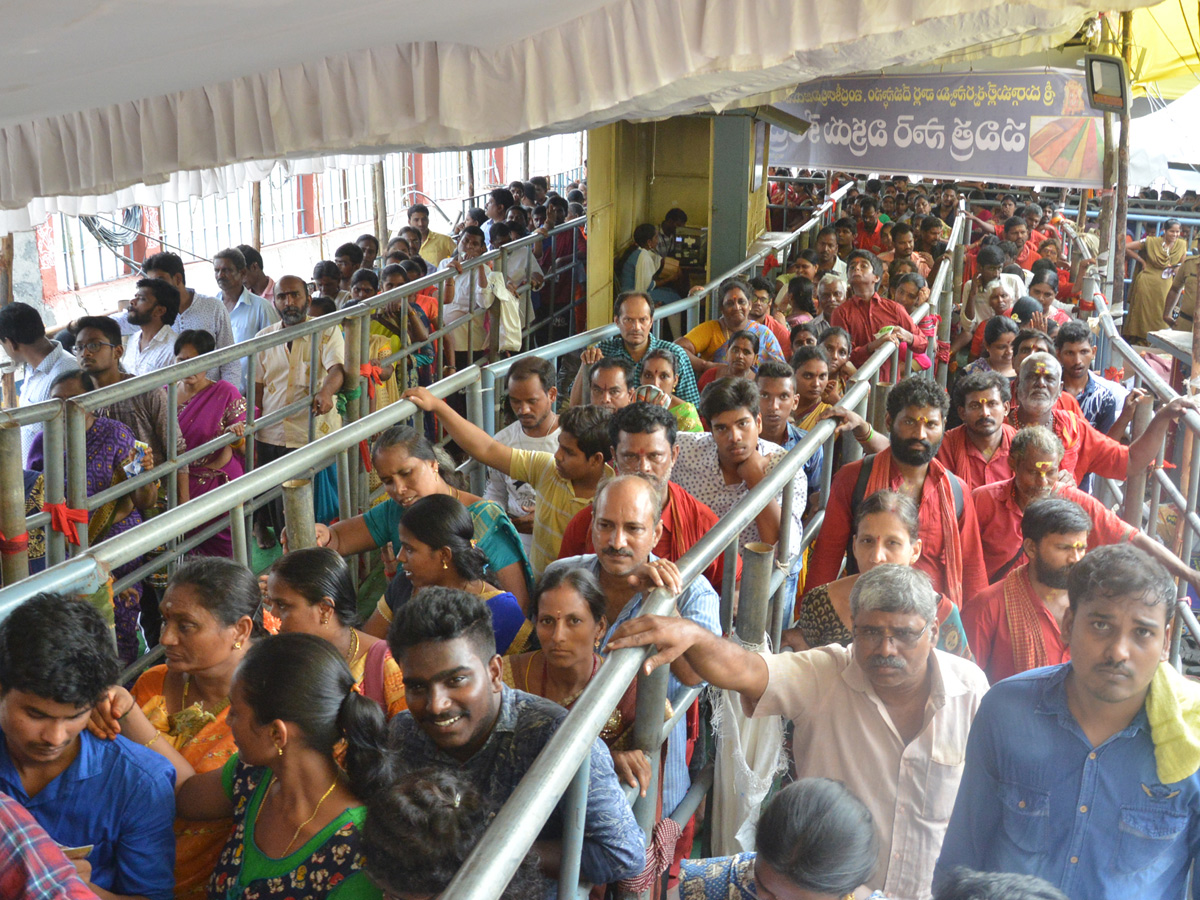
117 237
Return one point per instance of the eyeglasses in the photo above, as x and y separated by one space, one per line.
92 347
872 635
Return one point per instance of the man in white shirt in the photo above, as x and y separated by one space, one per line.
531 395
888 716
248 313
153 309
23 336
282 378
197 312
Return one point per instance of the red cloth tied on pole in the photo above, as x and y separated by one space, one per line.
19 544
374 376
64 519
364 453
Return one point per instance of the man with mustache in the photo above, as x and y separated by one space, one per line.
461 716
626 524
633 314
977 450
1036 455
1016 624
873 320
1069 773
951 553
644 443
282 378
1086 450
888 715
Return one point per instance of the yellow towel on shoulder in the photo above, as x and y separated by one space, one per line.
1173 708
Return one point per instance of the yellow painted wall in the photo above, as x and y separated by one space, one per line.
636 172
756 219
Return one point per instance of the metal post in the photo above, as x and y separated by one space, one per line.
76 427
237 533
757 563
574 817
298 513
781 605
475 414
728 586
355 328
54 483
172 478
314 360
14 566
647 735
1135 482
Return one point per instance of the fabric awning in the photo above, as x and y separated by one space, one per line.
106 94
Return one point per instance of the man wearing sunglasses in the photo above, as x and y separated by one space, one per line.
888 715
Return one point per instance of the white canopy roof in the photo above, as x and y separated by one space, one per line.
1171 135
102 95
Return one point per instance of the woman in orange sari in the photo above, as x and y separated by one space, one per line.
311 591
209 615
568 612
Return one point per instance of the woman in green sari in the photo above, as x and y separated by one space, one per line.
410 468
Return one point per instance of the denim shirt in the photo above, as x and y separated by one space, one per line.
1037 798
698 602
613 845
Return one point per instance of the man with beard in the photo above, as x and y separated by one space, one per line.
888 715
531 396
951 553
461 716
643 442
282 378
1035 455
1016 624
1086 450
869 234
1107 405
873 320
626 524
152 311
904 247
1072 772
828 262
977 450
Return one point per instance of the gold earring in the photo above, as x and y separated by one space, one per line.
444 566
279 750
237 645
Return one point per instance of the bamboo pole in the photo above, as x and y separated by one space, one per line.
256 215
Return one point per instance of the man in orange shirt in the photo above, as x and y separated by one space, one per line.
1016 624
977 450
951 551
1087 451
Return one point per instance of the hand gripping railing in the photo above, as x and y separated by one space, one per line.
88 571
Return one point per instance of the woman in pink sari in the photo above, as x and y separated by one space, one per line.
206 410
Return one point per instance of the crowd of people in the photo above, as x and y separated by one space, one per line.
973 658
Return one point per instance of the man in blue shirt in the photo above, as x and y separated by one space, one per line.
777 400
1061 777
56 661
462 716
626 525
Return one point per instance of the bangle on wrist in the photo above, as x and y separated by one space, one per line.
870 434
125 715
157 735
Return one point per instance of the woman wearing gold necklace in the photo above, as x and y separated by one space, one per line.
568 612
208 620
310 591
437 549
297 816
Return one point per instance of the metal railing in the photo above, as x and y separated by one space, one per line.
561 768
